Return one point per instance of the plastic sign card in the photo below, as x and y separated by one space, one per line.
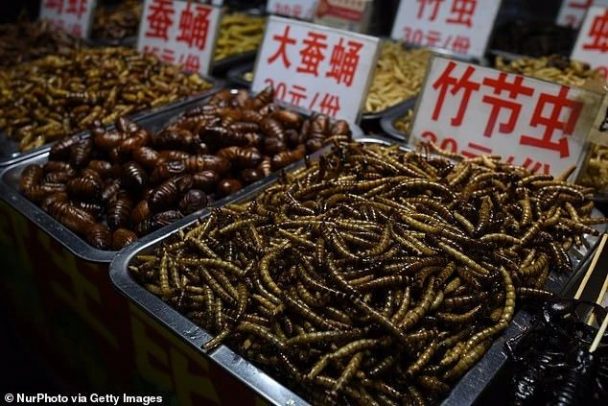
73 16
572 12
476 111
180 32
592 42
316 68
300 9
462 27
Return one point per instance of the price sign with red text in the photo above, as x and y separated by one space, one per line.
180 32
73 16
572 12
461 27
301 9
477 111
592 42
316 68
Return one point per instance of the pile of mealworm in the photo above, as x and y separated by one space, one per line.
60 95
25 41
398 76
117 22
373 275
554 68
238 33
120 184
595 171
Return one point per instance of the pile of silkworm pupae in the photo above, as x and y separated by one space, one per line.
372 275
120 184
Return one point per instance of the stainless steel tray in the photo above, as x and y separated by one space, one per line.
9 188
387 122
9 149
468 389
223 66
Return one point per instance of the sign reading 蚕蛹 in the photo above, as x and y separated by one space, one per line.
572 12
316 68
592 42
475 111
75 17
180 32
301 9
461 27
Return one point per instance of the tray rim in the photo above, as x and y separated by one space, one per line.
387 122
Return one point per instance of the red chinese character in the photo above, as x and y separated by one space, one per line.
190 62
598 33
76 30
77 7
461 44
152 50
160 19
297 11
343 63
298 94
554 121
168 55
312 54
330 105
462 11
433 38
283 40
482 150
584 5
513 89
56 5
193 28
458 83
435 4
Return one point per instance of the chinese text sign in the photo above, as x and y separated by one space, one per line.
462 27
316 68
179 32
301 9
73 16
477 111
572 12
592 42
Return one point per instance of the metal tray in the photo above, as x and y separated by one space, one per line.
387 122
236 75
222 66
128 42
468 389
9 149
9 189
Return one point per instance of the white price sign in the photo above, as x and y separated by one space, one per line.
477 111
316 68
301 9
572 12
73 16
462 27
592 42
180 32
